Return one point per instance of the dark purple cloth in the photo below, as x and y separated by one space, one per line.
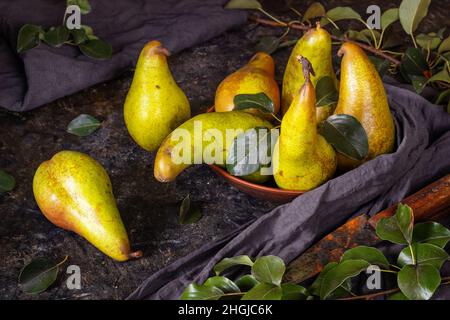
422 156
44 74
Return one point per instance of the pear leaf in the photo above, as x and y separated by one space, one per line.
7 181
431 232
190 212
201 292
418 282
264 291
424 253
78 36
83 125
246 282
343 13
369 254
243 4
89 32
346 134
269 269
443 76
411 13
293 292
84 5
389 17
427 41
398 228
96 49
316 9
445 45
56 36
224 284
258 101
326 93
38 275
226 263
29 37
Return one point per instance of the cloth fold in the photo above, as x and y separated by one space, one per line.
44 74
422 156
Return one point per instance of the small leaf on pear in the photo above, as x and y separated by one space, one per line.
7 181
243 4
346 134
226 263
190 211
83 125
258 101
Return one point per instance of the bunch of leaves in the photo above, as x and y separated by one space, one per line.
30 36
417 268
424 63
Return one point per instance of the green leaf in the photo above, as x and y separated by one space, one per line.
56 36
398 228
264 291
357 35
316 9
268 44
389 17
367 33
83 125
346 135
343 13
441 96
443 76
397 296
326 93
382 65
246 282
418 282
7 181
431 232
418 82
269 269
244 153
411 13
369 254
424 253
258 101
226 263
79 36
293 292
89 32
39 275
201 292
29 37
190 212
84 5
339 274
413 62
426 41
243 4
224 284
317 284
445 45
96 49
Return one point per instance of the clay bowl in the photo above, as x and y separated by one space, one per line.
264 192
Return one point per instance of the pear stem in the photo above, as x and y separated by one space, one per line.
306 68
303 27
136 254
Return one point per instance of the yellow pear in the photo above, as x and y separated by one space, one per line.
302 158
362 96
205 132
74 192
155 104
315 45
255 77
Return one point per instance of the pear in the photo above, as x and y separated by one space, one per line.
362 96
302 158
255 77
74 192
188 143
155 105
315 45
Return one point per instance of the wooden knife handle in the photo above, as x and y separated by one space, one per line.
428 202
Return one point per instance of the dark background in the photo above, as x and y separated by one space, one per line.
149 209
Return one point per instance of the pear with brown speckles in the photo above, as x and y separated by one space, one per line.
155 104
362 96
74 192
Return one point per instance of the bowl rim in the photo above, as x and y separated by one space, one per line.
249 184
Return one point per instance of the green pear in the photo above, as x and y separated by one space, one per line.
155 104
315 45
74 192
302 159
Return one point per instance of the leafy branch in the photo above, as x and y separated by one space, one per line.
417 269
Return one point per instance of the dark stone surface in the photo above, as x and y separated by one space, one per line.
149 209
